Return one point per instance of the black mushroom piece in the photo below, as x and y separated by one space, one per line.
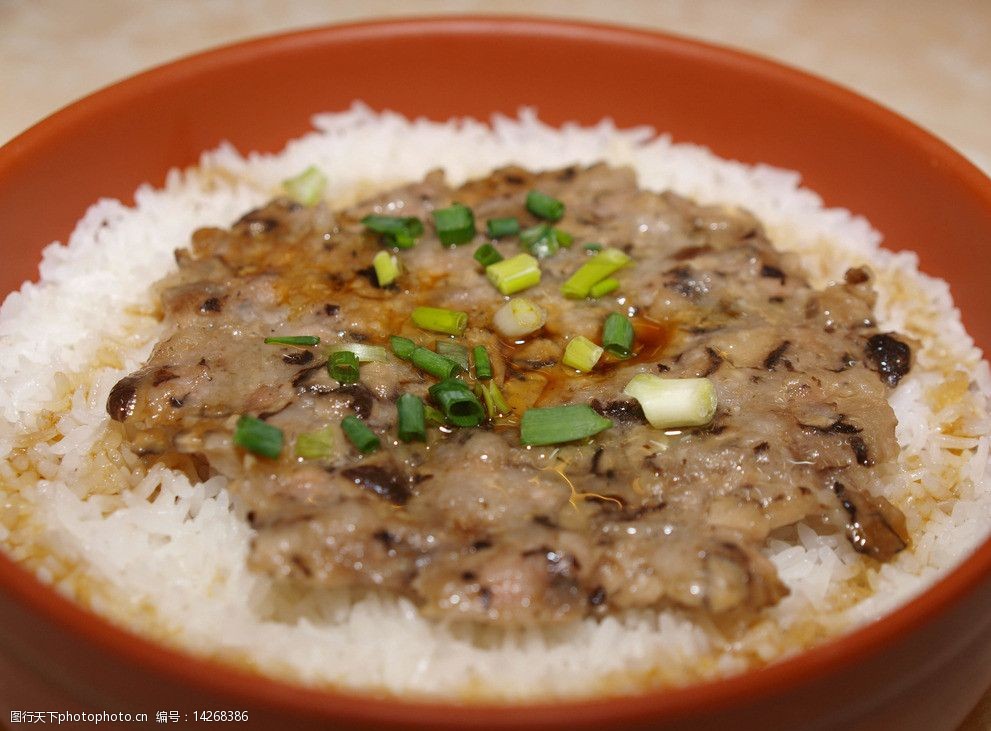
890 357
775 356
384 481
598 597
627 411
212 304
298 357
257 221
686 282
860 451
361 398
772 272
875 527
304 374
123 397
715 361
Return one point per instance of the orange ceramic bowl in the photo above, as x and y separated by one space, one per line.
921 667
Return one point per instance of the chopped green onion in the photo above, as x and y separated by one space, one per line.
495 404
458 403
436 365
604 287
315 444
412 421
544 206
455 224
402 347
365 353
399 231
673 402
453 351
500 227
307 187
539 240
359 434
582 354
559 424
386 267
593 247
600 266
518 317
259 437
531 235
617 335
437 319
544 240
483 366
487 255
433 415
514 274
294 340
343 366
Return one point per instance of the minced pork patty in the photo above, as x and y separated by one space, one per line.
471 523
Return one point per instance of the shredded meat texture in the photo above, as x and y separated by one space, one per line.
471 524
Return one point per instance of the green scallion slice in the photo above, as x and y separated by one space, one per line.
560 424
518 318
437 319
293 340
412 420
495 404
514 274
500 227
539 240
365 353
343 366
604 287
544 206
359 434
581 354
436 365
258 437
399 231
670 403
617 335
563 238
593 271
483 366
307 187
315 444
487 255
544 240
593 247
453 351
455 224
402 347
529 235
433 416
459 404
386 267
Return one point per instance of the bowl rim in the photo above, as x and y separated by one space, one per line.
661 704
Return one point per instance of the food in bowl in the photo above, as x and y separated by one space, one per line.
553 531
483 516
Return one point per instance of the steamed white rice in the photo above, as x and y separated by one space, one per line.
167 558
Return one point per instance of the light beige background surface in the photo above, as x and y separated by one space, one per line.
928 60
